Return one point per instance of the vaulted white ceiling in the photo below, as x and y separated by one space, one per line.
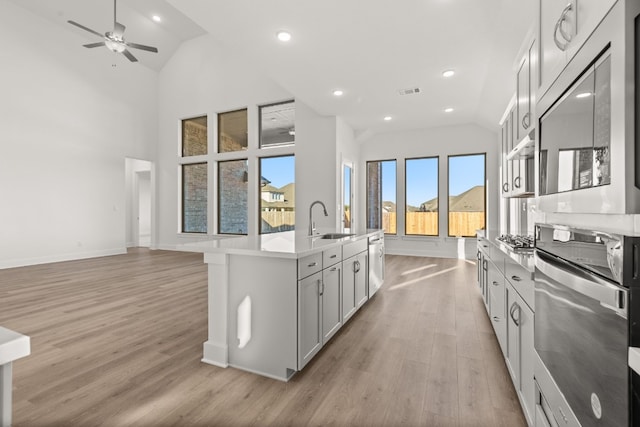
368 48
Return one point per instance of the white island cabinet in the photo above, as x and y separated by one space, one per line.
275 300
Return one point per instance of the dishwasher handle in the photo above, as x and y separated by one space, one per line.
582 281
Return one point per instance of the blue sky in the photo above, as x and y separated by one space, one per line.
465 172
279 170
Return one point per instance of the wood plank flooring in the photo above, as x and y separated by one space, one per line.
117 341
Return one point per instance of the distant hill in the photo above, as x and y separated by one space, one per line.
471 200
389 206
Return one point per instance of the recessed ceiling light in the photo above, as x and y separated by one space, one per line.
448 110
338 92
448 73
283 36
583 95
156 18
387 118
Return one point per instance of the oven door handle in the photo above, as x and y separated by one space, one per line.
582 281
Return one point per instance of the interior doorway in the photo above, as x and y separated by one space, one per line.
139 212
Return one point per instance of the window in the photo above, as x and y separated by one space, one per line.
421 196
467 199
232 197
194 198
232 131
194 137
277 194
277 124
381 195
194 175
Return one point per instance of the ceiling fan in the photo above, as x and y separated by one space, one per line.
114 40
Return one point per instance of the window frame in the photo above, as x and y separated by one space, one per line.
259 192
484 184
219 193
273 104
182 199
406 204
382 201
219 133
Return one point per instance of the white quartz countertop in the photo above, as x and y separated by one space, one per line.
288 244
13 345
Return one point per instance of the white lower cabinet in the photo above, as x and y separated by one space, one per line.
354 284
331 296
497 304
520 350
309 317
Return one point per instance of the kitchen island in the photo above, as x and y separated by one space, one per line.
276 299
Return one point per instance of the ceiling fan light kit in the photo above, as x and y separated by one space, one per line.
114 40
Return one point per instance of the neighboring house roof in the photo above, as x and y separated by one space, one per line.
289 202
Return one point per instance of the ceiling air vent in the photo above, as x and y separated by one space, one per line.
409 91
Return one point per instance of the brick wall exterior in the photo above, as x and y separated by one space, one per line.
194 198
232 190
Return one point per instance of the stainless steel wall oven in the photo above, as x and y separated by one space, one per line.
587 287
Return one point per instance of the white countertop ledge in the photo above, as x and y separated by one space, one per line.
13 345
287 244
634 359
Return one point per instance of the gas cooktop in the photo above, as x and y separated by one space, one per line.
517 242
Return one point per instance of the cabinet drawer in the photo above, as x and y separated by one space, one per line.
309 265
520 279
331 256
351 249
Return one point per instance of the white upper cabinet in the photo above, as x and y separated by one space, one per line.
564 27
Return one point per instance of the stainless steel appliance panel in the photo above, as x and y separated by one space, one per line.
581 321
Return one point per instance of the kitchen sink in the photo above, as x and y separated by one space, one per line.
334 236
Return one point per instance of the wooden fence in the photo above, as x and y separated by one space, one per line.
426 223
418 223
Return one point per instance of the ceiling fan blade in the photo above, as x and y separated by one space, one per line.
85 28
142 47
118 30
129 56
90 45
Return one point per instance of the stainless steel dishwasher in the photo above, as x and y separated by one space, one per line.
376 263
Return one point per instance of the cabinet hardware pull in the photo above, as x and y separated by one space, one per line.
484 265
563 33
525 121
333 256
516 182
516 278
320 287
333 269
505 187
496 319
515 307
496 283
313 264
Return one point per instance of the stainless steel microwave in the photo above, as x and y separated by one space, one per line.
588 147
575 134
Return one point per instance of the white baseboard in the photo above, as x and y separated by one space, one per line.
23 262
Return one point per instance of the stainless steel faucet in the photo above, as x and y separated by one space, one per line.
312 225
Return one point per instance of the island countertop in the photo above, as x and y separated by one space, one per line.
287 244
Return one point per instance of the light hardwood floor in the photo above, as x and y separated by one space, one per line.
117 341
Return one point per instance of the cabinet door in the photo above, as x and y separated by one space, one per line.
349 287
527 359
505 150
553 59
514 164
589 15
513 337
309 317
497 305
523 96
361 276
331 296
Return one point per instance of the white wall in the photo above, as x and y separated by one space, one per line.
67 121
442 142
